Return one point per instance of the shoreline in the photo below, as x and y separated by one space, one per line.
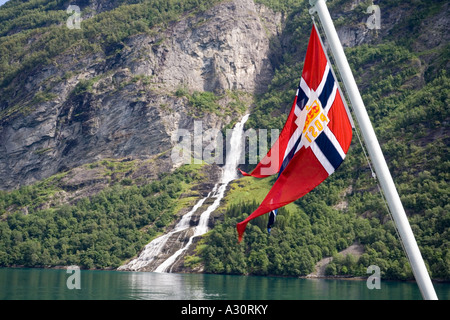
337 277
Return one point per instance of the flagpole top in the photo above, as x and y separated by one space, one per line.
313 6
313 2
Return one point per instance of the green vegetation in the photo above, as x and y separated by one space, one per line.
305 232
227 104
410 116
97 232
202 102
406 92
280 5
34 33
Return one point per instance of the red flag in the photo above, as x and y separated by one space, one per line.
314 140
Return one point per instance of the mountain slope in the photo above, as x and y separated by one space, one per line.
404 83
83 111
112 88
99 108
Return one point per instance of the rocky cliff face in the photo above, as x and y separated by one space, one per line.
79 109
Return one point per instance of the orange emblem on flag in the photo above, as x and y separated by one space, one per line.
314 111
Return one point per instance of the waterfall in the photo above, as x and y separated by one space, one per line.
235 152
229 173
154 248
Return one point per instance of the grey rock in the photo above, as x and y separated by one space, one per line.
128 106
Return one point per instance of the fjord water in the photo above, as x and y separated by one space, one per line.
51 284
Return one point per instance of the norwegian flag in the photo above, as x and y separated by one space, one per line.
314 140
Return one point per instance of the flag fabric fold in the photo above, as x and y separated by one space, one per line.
314 140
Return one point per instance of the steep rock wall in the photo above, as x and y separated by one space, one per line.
121 103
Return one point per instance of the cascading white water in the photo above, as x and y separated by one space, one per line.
235 152
154 248
229 173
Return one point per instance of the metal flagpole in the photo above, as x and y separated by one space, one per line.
407 237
